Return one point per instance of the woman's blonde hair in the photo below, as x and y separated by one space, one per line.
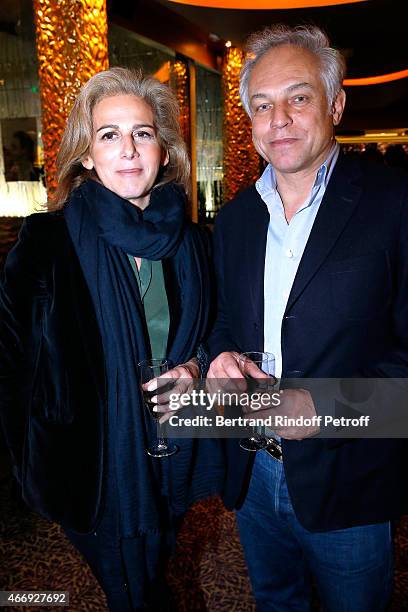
77 138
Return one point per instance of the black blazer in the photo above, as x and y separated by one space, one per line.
347 314
53 382
52 375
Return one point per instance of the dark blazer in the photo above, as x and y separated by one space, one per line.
53 382
347 314
52 376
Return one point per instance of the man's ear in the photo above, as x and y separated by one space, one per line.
338 107
87 162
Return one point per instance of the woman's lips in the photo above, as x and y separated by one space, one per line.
130 171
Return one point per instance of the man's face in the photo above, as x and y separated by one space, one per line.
292 125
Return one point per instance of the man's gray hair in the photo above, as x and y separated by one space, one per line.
312 38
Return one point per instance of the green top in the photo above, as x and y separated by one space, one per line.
153 295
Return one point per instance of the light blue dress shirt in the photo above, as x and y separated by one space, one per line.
284 248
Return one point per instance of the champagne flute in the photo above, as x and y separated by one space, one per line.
148 369
265 362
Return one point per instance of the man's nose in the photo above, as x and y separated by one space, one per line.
129 148
280 116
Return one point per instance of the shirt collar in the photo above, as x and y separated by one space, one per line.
266 184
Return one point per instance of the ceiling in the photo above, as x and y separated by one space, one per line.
371 34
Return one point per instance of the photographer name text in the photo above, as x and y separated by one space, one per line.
272 421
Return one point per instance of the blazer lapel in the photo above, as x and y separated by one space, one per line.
338 204
257 220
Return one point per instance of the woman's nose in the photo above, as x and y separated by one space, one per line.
129 148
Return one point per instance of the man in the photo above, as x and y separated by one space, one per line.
312 265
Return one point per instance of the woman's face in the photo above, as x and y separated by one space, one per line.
125 152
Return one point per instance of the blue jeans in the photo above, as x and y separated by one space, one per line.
353 568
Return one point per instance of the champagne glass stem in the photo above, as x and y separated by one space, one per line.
149 369
266 363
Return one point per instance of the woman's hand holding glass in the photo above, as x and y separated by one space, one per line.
150 373
179 379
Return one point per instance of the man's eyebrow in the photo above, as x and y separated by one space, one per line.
299 86
258 95
116 127
288 90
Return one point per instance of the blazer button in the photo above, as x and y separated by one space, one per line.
256 326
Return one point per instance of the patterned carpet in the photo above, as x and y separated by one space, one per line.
207 572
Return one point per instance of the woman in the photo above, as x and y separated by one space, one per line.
114 275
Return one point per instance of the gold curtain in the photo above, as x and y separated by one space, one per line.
184 85
71 46
181 86
241 161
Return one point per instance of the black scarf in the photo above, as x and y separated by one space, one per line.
105 228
